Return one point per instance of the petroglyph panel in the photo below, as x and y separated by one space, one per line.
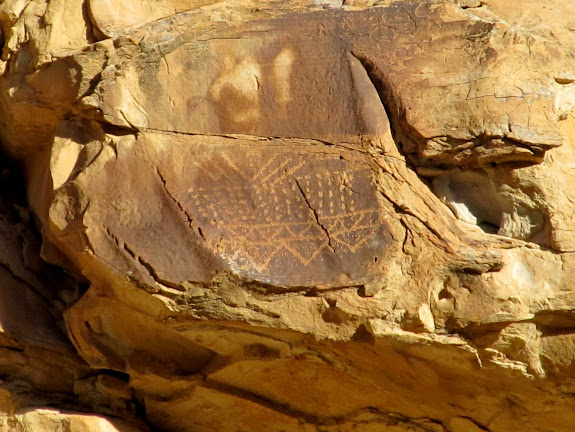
286 215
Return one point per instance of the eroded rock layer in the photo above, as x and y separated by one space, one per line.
288 216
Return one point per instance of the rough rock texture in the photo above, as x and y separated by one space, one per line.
39 367
288 216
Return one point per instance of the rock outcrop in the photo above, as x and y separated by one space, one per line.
288 216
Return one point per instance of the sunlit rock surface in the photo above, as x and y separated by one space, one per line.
287 216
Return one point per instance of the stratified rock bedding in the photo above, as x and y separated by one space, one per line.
287 216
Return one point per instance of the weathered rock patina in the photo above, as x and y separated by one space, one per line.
289 216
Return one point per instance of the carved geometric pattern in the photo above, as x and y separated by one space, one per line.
266 208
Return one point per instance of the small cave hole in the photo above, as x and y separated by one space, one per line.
362 334
123 376
472 197
489 228
444 294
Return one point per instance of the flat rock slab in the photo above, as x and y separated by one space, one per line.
262 78
268 210
276 212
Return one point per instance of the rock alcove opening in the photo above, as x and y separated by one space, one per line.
483 198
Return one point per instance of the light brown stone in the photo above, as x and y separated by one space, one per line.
300 216
50 420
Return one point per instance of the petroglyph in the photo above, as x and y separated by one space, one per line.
240 84
273 212
283 65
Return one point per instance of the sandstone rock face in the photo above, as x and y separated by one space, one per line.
38 363
288 216
299 216
52 420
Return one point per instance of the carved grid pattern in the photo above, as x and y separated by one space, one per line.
300 204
